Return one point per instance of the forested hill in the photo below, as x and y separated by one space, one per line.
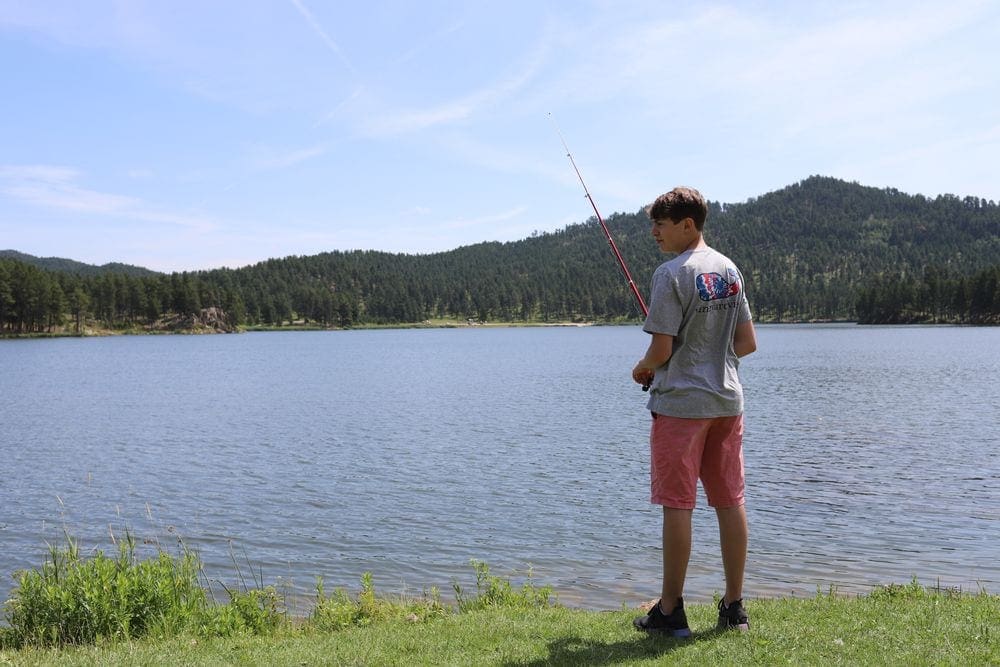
821 249
818 249
72 266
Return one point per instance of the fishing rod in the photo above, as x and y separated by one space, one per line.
607 232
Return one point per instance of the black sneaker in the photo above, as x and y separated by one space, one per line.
733 616
674 625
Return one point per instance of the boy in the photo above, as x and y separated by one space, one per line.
700 324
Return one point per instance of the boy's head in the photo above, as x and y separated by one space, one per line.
681 202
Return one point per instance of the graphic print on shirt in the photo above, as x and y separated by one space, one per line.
712 286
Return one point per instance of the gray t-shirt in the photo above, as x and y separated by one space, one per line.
698 298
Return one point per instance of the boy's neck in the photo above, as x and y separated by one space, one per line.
697 243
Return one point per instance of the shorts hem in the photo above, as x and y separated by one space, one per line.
671 504
726 505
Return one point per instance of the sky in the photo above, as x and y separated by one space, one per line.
194 134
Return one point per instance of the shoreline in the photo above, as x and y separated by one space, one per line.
96 332
100 333
92 332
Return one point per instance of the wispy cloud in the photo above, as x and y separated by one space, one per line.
416 119
767 59
289 158
513 159
56 187
503 216
140 174
424 235
968 148
355 94
318 29
424 43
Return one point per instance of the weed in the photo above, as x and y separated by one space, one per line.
250 612
339 611
492 591
70 600
73 600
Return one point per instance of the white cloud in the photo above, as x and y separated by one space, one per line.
55 187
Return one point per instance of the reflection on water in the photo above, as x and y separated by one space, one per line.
872 457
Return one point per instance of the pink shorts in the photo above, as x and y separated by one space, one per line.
684 450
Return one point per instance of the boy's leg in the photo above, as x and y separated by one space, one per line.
722 477
676 448
733 537
676 554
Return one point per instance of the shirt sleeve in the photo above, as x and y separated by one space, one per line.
665 310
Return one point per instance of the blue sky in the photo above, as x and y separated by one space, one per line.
183 135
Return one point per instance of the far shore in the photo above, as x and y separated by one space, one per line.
93 330
97 331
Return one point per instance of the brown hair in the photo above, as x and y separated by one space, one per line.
681 202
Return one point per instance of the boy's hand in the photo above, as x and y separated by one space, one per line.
661 346
642 374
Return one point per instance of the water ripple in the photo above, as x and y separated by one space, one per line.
872 456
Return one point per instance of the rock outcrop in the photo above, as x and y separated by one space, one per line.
208 320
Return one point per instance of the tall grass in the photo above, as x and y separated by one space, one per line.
76 600
73 600
340 610
493 591
70 600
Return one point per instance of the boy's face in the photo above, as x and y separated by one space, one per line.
673 236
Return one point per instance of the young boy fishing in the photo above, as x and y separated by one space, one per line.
700 324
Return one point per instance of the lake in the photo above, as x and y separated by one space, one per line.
872 454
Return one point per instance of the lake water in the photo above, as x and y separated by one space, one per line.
872 453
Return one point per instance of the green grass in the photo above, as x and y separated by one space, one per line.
907 627
75 600
120 611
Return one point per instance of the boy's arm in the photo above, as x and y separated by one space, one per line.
744 339
660 348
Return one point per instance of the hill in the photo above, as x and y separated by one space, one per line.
821 249
72 266
814 249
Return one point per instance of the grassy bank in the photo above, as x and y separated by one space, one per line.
117 610
898 625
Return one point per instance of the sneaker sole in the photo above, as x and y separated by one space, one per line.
725 625
683 633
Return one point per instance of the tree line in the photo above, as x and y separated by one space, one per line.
37 300
933 298
822 249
